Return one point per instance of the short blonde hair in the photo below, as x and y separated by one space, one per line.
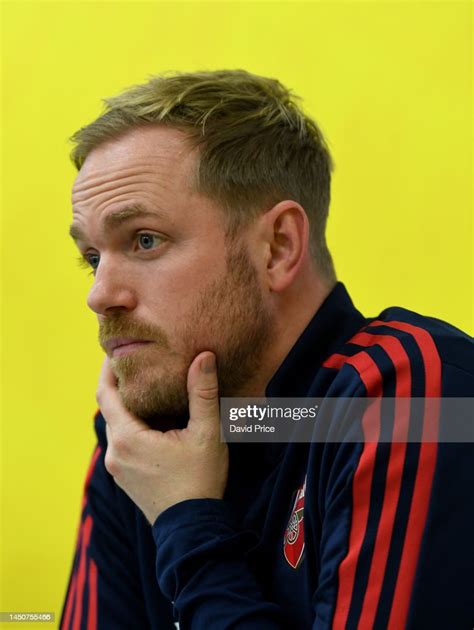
256 145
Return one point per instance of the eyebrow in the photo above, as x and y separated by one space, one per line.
116 219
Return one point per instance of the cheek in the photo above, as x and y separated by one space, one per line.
170 300
173 290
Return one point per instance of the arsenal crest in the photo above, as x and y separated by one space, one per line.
293 542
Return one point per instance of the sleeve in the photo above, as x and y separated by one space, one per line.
397 551
104 589
201 568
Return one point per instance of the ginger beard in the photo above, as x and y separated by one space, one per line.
229 318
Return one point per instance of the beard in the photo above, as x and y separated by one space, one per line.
229 318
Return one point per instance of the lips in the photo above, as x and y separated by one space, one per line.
118 346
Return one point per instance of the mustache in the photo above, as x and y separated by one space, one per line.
128 328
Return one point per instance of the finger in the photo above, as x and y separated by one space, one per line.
107 394
107 379
108 433
203 393
110 402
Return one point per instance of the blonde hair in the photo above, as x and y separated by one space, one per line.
256 145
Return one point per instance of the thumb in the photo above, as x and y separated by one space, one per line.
203 393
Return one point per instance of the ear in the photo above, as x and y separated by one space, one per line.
285 232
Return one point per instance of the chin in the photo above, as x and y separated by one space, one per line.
154 400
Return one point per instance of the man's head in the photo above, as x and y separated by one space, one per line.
192 204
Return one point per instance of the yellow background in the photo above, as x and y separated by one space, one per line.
390 85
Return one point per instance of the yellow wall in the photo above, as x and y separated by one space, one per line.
389 82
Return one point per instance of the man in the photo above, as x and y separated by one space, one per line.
200 206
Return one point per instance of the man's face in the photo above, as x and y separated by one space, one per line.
168 284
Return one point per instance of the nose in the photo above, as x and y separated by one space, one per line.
112 289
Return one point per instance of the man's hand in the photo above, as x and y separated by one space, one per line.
159 469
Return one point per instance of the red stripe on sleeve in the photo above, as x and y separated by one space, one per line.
428 351
72 598
399 357
373 381
92 610
335 361
69 604
424 477
423 480
81 573
361 486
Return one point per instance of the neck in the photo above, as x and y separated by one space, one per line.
293 312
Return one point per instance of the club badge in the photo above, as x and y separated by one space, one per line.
293 542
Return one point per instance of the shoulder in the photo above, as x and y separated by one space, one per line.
403 353
453 346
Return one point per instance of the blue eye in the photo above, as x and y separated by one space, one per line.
148 241
93 260
88 261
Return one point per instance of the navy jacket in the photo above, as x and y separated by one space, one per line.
339 535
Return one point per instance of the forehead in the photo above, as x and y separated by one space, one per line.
155 154
146 171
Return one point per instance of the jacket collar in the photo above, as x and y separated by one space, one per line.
334 322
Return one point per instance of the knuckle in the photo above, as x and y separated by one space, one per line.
99 396
121 446
110 463
208 393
